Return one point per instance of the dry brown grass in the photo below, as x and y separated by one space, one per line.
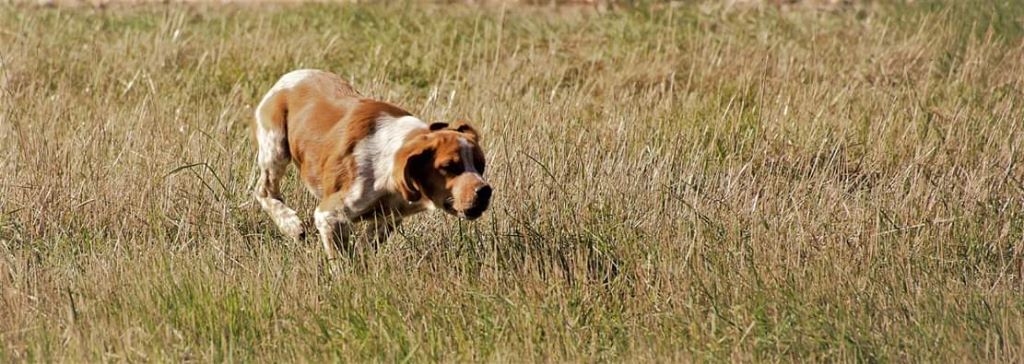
696 182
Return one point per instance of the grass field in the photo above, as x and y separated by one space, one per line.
690 182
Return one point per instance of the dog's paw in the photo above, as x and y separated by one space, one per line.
291 226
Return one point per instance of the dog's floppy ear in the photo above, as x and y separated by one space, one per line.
463 127
435 126
407 163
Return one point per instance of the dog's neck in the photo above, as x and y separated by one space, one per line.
391 135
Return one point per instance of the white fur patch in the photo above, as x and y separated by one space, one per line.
326 222
293 78
376 154
269 145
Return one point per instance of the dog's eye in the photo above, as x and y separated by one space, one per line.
450 168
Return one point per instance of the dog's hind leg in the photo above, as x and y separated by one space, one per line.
272 161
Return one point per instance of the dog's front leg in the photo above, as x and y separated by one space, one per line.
334 227
335 214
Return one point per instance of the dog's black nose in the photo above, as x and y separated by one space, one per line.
483 199
483 194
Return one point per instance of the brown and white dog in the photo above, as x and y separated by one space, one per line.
365 160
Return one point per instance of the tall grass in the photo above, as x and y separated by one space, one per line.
687 182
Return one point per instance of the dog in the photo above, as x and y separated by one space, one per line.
363 159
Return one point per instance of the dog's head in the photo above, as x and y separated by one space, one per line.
446 166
